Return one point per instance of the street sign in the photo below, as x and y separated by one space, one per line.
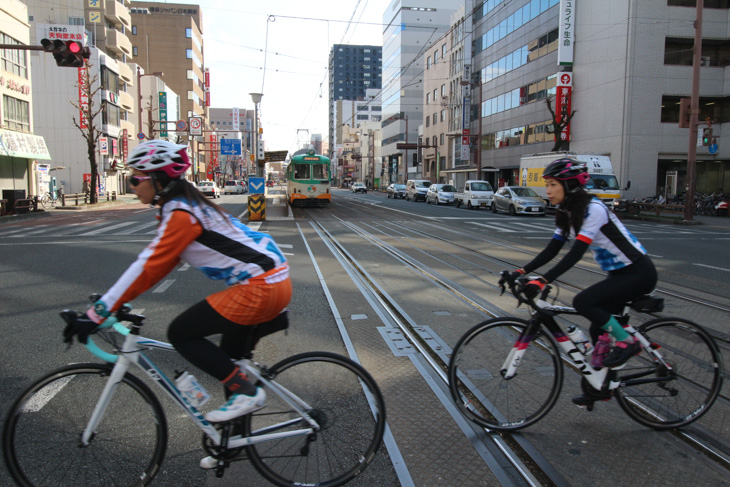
103 146
140 136
275 156
181 125
256 186
196 125
230 147
162 111
700 133
713 148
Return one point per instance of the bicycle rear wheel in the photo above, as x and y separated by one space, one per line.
476 379
691 386
42 432
44 200
346 403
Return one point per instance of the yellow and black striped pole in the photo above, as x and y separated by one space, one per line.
256 199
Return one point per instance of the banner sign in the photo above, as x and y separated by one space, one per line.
83 97
566 32
563 101
125 145
235 118
163 113
103 146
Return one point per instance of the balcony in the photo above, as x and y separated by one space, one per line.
125 73
117 14
125 124
126 101
118 42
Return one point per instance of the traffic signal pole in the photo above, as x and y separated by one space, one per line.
694 115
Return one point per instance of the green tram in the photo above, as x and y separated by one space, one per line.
308 179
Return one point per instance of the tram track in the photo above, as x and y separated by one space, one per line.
702 441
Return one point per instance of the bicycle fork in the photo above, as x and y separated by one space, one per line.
120 369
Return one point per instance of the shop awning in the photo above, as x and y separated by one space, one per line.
19 144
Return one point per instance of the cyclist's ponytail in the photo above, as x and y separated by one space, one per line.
572 210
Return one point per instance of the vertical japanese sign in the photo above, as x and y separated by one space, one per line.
235 118
103 146
566 32
125 146
563 102
163 113
207 87
213 155
83 97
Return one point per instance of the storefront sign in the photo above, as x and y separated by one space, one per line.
566 32
18 144
563 101
163 113
83 97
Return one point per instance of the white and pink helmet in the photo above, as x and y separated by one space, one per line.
160 155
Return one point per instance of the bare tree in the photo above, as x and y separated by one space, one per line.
559 125
88 89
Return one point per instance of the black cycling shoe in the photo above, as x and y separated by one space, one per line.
619 356
587 401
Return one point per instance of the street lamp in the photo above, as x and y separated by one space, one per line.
256 97
139 96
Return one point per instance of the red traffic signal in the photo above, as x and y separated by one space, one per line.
68 54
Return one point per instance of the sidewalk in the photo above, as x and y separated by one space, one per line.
123 199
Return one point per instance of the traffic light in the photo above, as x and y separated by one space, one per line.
707 137
68 54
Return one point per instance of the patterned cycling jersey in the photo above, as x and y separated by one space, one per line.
613 246
221 247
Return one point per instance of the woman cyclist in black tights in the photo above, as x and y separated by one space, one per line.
586 220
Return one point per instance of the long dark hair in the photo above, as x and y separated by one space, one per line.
572 210
173 188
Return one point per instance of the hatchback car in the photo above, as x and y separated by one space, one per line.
232 187
441 194
358 188
209 188
518 200
396 190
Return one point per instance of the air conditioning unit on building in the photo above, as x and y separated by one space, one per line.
705 61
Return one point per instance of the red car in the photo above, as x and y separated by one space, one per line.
270 183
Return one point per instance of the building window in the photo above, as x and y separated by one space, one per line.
693 3
428 62
443 51
188 32
443 115
428 121
428 98
134 30
13 60
434 118
191 95
441 140
16 113
134 51
76 21
189 53
443 90
190 74
435 57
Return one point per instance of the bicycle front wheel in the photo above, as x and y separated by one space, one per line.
693 378
346 403
479 388
44 200
42 432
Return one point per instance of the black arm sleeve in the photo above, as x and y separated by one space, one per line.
547 254
569 260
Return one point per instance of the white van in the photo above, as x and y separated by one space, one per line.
416 189
474 194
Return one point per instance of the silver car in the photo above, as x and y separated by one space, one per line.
518 200
441 194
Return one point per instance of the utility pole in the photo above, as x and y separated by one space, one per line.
694 115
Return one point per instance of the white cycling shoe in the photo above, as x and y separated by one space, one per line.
237 405
208 463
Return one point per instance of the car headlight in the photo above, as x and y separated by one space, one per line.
520 202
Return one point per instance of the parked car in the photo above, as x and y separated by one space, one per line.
416 189
441 194
518 200
474 194
358 188
244 186
396 190
232 187
209 188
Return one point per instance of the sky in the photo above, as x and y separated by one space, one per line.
292 39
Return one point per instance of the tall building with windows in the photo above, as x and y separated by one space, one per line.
411 28
353 69
168 38
629 65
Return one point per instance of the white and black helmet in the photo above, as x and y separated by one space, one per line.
160 155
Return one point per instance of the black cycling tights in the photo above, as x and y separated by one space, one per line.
608 297
187 334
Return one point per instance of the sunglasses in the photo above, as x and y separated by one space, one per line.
135 180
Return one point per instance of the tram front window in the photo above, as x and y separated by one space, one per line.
319 172
301 171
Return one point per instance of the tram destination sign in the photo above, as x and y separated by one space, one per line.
275 156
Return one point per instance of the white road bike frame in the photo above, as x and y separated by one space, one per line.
131 354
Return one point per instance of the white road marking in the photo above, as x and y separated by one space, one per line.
184 267
105 229
493 227
137 228
712 267
254 226
42 397
164 286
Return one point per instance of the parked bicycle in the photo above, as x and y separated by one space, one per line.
49 199
506 373
97 424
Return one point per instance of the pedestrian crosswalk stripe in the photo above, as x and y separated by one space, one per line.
493 227
105 229
141 226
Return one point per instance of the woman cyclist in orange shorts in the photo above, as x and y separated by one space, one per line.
201 233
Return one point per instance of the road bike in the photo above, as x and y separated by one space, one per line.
48 199
506 373
97 424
